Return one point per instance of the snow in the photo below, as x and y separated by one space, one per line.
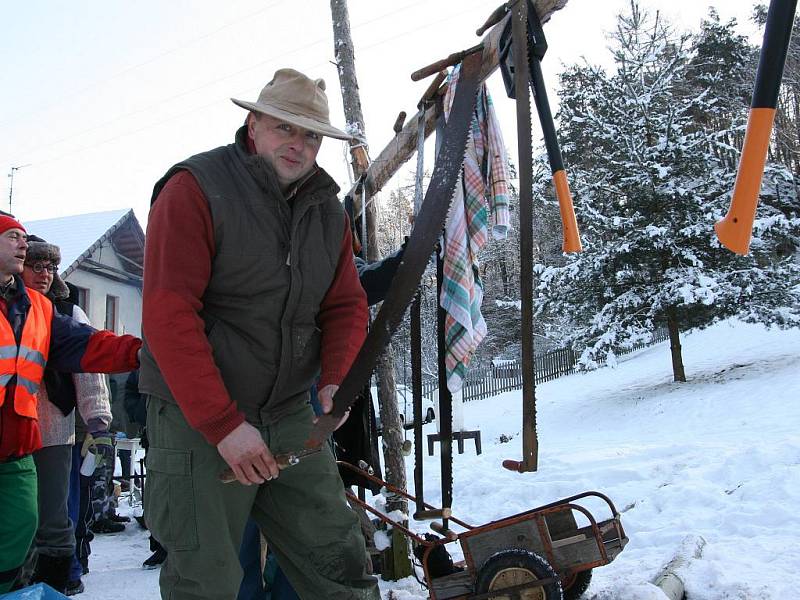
515 304
716 457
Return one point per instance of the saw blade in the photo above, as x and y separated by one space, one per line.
427 229
522 71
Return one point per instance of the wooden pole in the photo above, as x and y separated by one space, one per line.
395 470
351 99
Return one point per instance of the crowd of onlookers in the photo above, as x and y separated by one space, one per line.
56 470
81 416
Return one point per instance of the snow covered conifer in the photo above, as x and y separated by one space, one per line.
652 166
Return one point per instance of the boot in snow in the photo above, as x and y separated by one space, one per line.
53 570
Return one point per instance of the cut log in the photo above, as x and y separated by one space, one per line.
668 581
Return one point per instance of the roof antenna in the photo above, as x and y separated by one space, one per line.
11 184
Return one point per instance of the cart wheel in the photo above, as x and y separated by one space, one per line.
511 568
575 585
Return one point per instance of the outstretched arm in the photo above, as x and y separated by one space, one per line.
376 278
342 317
79 348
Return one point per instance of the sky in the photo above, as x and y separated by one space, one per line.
101 98
712 464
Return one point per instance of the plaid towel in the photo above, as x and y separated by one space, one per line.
482 188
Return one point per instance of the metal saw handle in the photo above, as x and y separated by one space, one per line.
284 461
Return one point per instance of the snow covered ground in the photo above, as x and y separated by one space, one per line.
717 457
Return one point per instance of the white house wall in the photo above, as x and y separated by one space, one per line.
105 254
129 318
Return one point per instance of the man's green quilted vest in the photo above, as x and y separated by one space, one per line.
274 263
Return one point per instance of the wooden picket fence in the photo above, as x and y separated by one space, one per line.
490 381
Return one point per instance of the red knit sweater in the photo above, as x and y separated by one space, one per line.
178 257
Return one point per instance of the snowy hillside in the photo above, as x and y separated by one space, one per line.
717 457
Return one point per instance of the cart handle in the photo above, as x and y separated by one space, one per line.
572 499
598 536
386 519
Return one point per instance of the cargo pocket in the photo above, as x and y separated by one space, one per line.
171 513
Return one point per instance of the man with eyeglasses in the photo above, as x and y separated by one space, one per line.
40 267
32 336
53 558
250 291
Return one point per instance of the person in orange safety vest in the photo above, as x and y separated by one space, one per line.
32 335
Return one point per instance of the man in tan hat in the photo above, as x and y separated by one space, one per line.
250 292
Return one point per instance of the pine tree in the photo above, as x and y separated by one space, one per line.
649 148
786 147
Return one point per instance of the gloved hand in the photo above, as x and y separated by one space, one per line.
103 447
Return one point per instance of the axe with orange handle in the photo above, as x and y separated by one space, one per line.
536 50
735 230
537 47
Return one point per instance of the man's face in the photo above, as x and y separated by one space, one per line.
39 275
13 245
291 150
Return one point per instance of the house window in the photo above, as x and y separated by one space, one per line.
112 310
82 298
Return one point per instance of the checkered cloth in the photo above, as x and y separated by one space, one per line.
482 189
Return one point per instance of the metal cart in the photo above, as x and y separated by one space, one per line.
539 554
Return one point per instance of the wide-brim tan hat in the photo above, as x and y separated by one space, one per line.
296 99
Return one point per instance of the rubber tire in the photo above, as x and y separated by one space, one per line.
579 585
522 559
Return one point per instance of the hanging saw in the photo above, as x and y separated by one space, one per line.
420 247
445 416
416 313
521 77
735 230
537 47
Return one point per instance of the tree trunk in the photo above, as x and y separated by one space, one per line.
678 374
504 275
392 429
395 466
346 66
396 560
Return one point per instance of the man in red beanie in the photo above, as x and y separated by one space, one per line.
33 335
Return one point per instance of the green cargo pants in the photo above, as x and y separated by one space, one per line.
18 516
200 521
